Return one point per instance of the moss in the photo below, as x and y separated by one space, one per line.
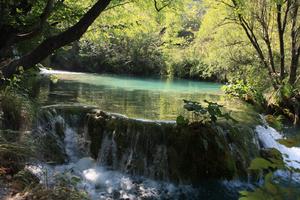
165 151
49 150
96 123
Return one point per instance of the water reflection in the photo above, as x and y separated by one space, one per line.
139 98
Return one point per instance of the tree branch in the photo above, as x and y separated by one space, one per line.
162 7
53 43
117 5
36 29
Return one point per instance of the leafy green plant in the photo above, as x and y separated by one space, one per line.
181 121
284 92
272 187
245 92
211 112
275 121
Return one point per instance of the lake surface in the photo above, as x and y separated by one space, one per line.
135 97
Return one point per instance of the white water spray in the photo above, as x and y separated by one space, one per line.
269 136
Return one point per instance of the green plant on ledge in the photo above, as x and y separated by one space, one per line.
273 187
209 113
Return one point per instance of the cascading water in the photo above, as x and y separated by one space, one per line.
269 136
101 179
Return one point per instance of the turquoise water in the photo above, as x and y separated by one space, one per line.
135 97
130 83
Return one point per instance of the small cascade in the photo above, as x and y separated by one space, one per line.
108 152
162 151
114 157
269 136
58 135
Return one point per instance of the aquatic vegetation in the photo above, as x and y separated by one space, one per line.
212 111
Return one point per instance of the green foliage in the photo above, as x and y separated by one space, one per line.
272 188
144 43
245 92
275 121
15 102
191 68
181 121
25 179
58 193
125 55
13 155
212 111
285 92
263 164
260 163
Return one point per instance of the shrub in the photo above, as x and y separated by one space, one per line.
245 92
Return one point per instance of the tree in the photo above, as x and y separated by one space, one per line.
258 19
18 27
50 44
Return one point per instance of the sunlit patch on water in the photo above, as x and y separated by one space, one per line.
48 71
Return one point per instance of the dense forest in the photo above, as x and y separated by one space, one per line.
157 99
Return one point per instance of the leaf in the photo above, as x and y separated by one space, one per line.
259 164
244 192
181 121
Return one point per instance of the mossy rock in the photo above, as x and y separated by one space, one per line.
164 151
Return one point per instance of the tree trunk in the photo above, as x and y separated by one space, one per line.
281 28
294 65
295 47
51 44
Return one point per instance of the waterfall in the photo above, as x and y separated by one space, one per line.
269 136
95 178
115 157
107 154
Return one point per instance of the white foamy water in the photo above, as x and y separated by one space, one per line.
269 136
100 182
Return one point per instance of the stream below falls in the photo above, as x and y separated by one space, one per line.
115 157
